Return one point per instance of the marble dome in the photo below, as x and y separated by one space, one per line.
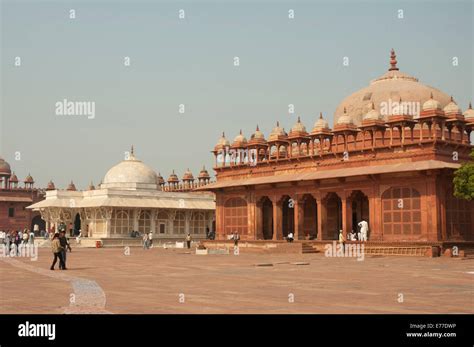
393 85
4 168
130 174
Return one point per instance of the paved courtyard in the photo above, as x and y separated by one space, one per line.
176 281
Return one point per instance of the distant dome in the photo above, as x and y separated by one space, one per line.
393 85
277 133
71 187
373 114
29 179
130 174
452 107
431 104
13 178
50 186
91 186
469 114
345 118
239 141
298 129
173 178
320 124
203 173
188 175
222 143
257 137
5 168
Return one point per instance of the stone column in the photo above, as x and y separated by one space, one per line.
319 209
298 216
277 218
251 216
259 221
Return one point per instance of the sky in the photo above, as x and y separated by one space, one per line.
190 62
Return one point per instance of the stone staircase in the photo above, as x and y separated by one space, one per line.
308 248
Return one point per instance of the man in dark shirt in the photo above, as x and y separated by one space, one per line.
65 246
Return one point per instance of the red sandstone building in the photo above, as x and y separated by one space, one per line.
392 169
14 199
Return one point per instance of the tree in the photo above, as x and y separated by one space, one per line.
464 180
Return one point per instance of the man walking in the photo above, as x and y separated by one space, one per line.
56 248
188 240
65 246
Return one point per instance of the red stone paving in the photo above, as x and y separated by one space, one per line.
152 282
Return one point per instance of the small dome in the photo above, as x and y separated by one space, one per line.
160 180
222 142
173 178
203 173
431 104
29 179
257 137
345 119
188 176
13 178
5 168
71 187
452 107
321 124
298 127
50 186
469 114
239 141
373 114
277 133
91 186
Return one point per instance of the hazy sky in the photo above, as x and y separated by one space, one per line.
191 61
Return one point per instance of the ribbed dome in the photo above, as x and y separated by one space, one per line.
173 178
298 129
452 108
239 141
320 124
222 143
29 179
393 85
257 137
130 174
469 114
13 178
203 173
4 168
344 118
277 133
188 175
373 114
431 104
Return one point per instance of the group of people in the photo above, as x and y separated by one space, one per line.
16 237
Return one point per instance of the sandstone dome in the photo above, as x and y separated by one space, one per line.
4 168
393 85
130 174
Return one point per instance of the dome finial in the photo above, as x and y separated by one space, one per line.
431 95
470 105
393 61
257 128
373 106
320 115
132 151
278 123
345 109
299 119
240 132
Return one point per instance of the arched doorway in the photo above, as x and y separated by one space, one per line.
288 212
267 218
310 217
333 216
360 209
37 220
